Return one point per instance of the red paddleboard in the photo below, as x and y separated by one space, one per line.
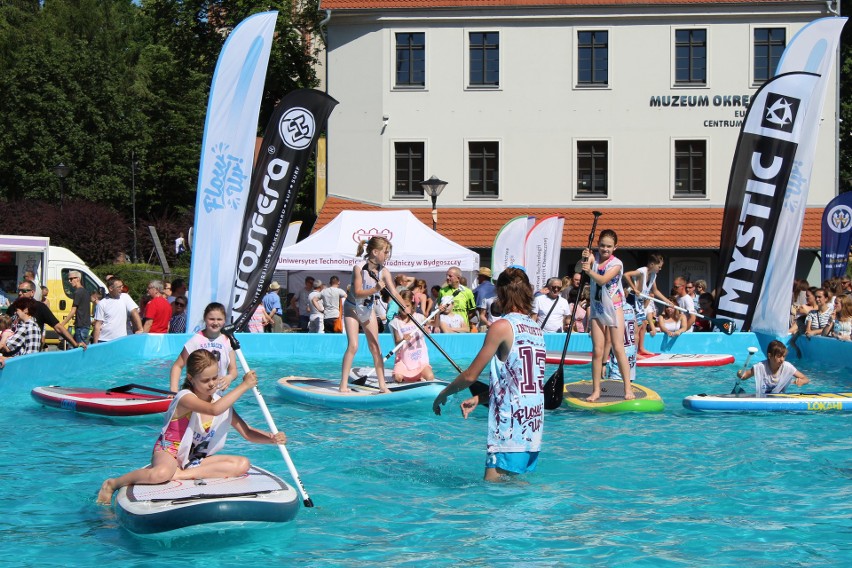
118 401
657 360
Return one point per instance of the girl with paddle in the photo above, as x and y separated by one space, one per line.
412 359
606 320
514 347
195 428
368 281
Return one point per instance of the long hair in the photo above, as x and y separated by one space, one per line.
197 362
514 291
366 247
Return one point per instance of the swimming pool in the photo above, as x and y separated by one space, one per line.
402 486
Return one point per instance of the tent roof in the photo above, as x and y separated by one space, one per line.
416 247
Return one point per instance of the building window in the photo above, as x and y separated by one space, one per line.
592 168
769 44
484 169
691 56
411 59
484 59
408 158
593 58
690 168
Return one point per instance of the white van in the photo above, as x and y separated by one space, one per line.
50 265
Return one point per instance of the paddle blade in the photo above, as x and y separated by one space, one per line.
554 390
727 326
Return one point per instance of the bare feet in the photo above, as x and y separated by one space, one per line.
345 389
105 494
628 393
594 396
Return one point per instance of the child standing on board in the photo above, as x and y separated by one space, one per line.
773 375
412 359
195 428
606 317
368 281
211 339
514 347
643 282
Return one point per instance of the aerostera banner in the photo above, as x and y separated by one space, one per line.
836 236
227 154
288 142
765 158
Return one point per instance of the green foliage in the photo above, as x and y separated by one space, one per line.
137 276
98 85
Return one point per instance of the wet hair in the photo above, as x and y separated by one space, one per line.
198 362
775 347
366 247
514 291
655 258
212 306
25 304
608 233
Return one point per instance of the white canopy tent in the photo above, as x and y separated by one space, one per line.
417 249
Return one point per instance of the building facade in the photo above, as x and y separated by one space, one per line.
623 106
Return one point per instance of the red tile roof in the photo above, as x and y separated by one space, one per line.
638 228
415 4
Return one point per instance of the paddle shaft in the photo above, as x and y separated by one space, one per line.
271 424
401 343
751 351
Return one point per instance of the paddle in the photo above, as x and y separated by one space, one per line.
228 331
476 388
727 326
362 379
737 388
555 386
126 388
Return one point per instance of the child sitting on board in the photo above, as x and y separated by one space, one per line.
195 428
773 375
412 359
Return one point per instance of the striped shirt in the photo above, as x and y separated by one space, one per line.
817 319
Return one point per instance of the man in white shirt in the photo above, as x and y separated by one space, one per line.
684 300
112 312
553 304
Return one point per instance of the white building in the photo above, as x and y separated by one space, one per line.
631 107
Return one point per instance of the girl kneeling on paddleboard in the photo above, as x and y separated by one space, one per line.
514 346
195 428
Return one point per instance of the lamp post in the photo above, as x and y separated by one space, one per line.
133 164
61 171
433 188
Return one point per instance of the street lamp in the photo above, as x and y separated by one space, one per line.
433 188
61 171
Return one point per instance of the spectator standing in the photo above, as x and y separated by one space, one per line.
684 300
178 290
317 313
177 324
551 311
81 307
462 296
333 297
42 314
26 338
272 305
301 304
158 312
113 312
483 292
180 245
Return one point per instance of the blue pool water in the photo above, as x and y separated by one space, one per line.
402 486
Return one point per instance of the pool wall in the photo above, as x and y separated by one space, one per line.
49 368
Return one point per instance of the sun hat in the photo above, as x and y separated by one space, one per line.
275 285
485 271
